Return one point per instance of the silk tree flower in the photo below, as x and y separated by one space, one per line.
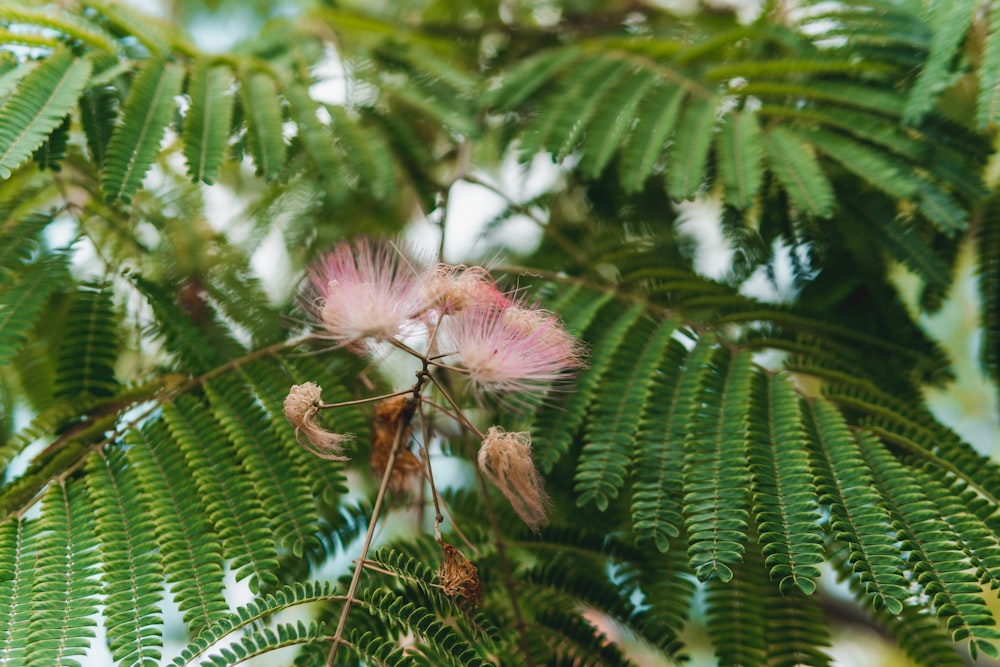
505 459
513 349
454 288
368 291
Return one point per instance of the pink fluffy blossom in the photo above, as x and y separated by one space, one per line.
368 291
454 288
510 349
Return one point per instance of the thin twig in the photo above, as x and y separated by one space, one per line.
426 456
508 579
458 410
370 399
401 428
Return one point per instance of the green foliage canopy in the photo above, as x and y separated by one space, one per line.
145 448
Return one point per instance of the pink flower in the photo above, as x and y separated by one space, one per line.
368 291
510 349
453 288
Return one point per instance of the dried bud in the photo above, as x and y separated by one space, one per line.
505 459
459 577
391 415
301 407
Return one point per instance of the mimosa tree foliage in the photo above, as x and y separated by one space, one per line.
717 450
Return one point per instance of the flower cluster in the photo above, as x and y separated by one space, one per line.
367 294
370 292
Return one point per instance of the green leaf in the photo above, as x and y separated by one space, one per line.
740 155
135 142
877 167
18 542
262 109
648 138
22 303
988 100
65 590
87 359
611 425
132 576
949 22
799 172
784 496
609 126
656 493
716 500
38 106
209 120
688 156
98 110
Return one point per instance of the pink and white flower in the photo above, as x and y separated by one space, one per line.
368 291
510 349
454 288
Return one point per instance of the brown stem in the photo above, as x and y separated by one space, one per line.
426 456
508 579
401 429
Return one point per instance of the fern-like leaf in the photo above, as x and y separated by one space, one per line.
784 498
607 453
522 81
988 100
556 126
799 172
366 152
252 614
97 115
716 503
988 270
87 359
136 141
936 558
20 240
688 155
656 493
857 516
291 507
880 169
262 109
236 511
38 106
949 22
68 25
555 426
646 142
132 576
192 554
18 544
65 587
740 154
22 303
207 126
51 154
736 613
317 141
610 125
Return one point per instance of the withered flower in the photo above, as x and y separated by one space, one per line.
391 415
301 407
505 459
460 577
